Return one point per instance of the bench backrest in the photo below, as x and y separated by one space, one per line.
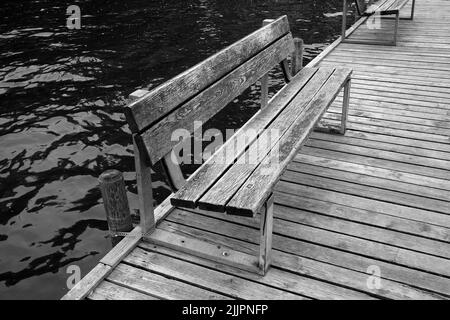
203 90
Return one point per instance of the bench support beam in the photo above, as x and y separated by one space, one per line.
173 172
145 192
143 180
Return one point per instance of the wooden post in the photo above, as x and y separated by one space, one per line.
265 247
344 20
345 105
265 78
297 57
115 201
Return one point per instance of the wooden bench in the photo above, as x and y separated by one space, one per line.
380 8
228 181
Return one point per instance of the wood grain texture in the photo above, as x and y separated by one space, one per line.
223 190
215 280
290 268
215 166
204 249
163 99
159 286
109 291
299 243
158 139
144 186
85 286
173 171
115 201
255 190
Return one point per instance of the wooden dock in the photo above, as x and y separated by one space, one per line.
376 200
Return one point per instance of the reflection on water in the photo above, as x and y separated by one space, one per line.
61 125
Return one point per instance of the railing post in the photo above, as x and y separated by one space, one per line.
115 202
297 57
344 20
265 78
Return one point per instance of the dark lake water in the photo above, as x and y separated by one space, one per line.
61 122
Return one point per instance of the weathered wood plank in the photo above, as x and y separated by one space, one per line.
120 250
284 280
110 291
365 216
365 203
390 143
159 286
294 243
159 140
213 168
333 183
337 278
203 249
255 190
217 281
363 156
223 190
383 178
363 231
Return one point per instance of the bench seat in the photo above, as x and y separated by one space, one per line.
383 7
375 11
242 187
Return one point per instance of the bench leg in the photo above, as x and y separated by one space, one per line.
397 18
266 228
413 6
411 17
345 104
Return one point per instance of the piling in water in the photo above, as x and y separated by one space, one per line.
115 201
